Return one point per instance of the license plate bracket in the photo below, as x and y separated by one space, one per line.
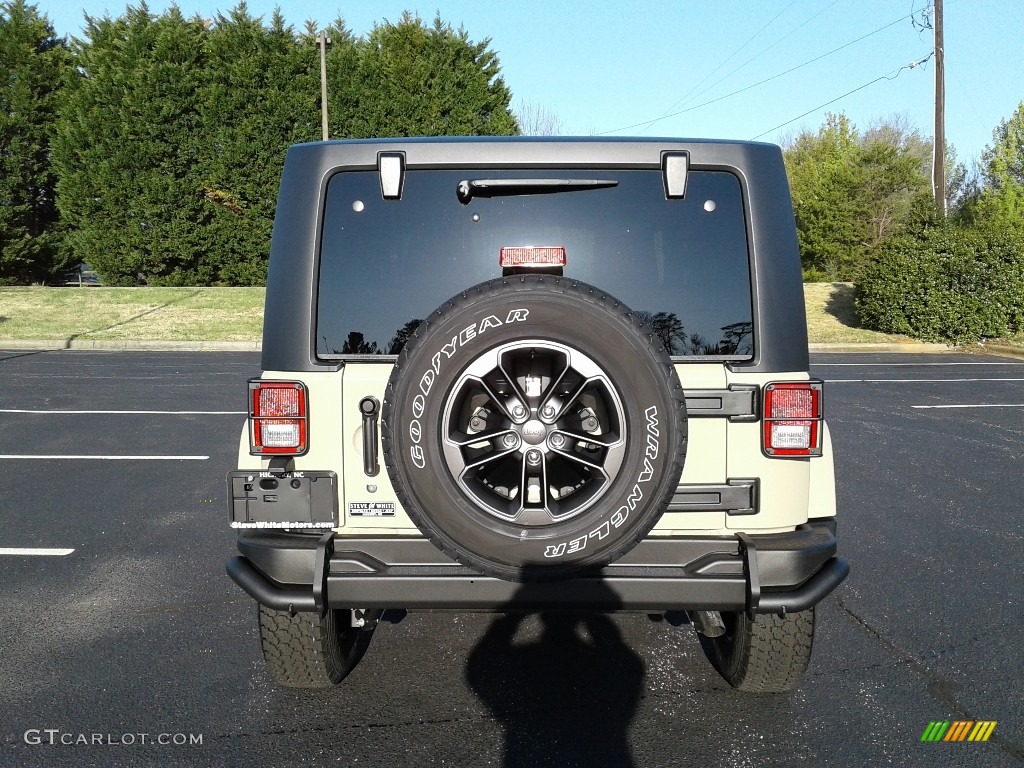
262 499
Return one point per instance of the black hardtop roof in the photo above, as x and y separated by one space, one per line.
544 150
391 140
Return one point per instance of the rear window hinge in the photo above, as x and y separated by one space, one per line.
391 167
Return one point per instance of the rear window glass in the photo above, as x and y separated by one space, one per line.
385 265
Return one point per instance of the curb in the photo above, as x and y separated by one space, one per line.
903 347
1002 350
133 346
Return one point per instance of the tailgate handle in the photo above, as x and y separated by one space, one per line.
369 407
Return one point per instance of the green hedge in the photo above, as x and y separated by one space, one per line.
948 284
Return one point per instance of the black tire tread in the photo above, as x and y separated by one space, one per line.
307 651
767 655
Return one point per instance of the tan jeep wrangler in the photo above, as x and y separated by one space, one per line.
535 375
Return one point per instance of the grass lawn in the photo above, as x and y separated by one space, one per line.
236 314
1014 341
164 314
831 320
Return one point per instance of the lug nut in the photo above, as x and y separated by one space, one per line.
533 457
510 440
547 411
518 411
557 441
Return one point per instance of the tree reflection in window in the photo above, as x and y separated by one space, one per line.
736 341
402 336
667 327
356 344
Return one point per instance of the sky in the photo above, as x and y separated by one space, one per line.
734 69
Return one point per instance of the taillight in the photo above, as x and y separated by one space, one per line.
278 418
791 419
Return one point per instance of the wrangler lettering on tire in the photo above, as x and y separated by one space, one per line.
534 427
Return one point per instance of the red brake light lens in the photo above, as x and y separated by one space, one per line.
549 256
792 416
278 417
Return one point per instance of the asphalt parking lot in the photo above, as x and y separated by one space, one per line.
134 648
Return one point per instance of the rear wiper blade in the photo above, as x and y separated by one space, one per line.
470 188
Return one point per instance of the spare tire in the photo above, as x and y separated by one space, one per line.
534 427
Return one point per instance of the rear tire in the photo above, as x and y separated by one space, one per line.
767 655
307 651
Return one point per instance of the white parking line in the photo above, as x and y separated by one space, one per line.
124 377
988 405
59 457
144 413
29 552
899 365
910 381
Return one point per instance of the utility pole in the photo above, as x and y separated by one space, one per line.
939 148
323 41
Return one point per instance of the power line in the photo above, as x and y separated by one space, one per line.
755 85
729 58
892 76
765 50
925 24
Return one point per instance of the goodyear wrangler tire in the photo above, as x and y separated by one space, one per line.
763 654
305 650
533 427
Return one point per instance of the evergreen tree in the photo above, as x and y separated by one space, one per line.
172 132
1001 199
414 80
36 62
260 97
344 78
128 146
853 191
896 166
823 177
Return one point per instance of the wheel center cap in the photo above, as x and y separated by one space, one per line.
534 432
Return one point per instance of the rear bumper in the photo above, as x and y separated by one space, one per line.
764 574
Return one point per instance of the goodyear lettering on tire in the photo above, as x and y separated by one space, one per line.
426 381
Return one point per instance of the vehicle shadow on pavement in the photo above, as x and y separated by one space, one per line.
565 687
